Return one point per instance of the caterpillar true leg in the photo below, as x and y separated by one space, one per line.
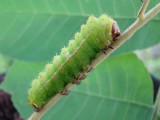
76 81
111 46
65 92
104 51
36 108
89 69
115 31
82 76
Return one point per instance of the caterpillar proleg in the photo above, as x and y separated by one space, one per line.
95 37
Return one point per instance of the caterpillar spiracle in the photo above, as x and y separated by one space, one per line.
95 37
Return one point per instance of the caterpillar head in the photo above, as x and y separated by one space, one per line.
115 31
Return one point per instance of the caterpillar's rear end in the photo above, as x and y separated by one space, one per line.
94 38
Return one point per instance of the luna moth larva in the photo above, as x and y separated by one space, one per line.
95 37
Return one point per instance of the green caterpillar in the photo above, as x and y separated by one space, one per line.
94 38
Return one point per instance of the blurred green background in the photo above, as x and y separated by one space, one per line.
120 88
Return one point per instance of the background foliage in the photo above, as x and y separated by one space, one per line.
32 31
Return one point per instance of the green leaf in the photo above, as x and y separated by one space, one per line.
18 81
119 88
36 30
5 63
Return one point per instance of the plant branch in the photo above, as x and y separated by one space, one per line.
143 9
157 106
127 34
